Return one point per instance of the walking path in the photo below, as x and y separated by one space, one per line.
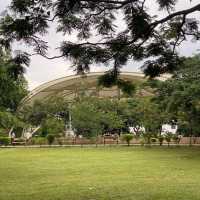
92 145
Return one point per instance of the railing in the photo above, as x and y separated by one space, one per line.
100 141
115 141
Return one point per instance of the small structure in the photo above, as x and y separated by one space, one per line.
28 133
169 128
110 138
166 128
68 128
137 130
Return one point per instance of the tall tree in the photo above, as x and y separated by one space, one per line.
93 116
40 111
145 36
13 86
181 95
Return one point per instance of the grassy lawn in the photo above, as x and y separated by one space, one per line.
100 173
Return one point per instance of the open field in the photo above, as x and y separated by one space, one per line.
133 173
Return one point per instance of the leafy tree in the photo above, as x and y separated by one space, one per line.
55 107
151 117
110 111
53 126
154 118
93 116
189 69
132 114
7 121
111 122
180 96
86 120
51 114
145 36
13 87
34 114
143 112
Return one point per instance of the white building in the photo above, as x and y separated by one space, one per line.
169 128
166 128
137 129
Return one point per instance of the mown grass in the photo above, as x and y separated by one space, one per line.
100 173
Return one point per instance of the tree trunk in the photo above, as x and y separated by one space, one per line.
191 134
96 141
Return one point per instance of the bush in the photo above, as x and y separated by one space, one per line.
50 139
161 139
4 141
147 138
38 140
142 141
153 140
127 138
168 138
52 126
60 141
176 139
3 133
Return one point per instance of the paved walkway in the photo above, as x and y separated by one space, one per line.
91 145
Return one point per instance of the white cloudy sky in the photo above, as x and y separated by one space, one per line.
42 70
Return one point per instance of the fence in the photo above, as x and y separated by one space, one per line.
184 140
105 141
115 141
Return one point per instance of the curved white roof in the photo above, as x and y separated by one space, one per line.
69 85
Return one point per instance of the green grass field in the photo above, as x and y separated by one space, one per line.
100 173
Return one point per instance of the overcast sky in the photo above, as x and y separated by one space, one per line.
42 70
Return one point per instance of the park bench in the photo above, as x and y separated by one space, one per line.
17 141
110 138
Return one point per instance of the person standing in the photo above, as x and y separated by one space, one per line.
12 137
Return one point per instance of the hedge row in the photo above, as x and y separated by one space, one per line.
5 141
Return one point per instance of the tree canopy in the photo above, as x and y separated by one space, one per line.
13 85
40 111
100 39
13 88
93 116
180 95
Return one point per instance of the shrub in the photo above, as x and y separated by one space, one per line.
176 139
4 141
168 138
127 138
60 141
3 133
142 141
153 140
147 137
50 139
52 126
38 140
161 139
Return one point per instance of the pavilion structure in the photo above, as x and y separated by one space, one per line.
71 87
